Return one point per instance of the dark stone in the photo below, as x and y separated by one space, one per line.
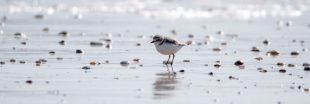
294 53
307 68
29 81
255 49
79 51
239 63
210 73
282 70
12 60
266 42
217 65
182 71
86 67
62 42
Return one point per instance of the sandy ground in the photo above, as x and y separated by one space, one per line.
35 68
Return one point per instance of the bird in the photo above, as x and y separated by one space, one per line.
166 46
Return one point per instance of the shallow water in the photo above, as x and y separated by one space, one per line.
61 80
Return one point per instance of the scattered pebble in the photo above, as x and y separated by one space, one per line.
59 58
259 58
79 51
272 53
62 42
216 49
64 33
28 81
182 71
19 35
306 89
109 46
52 52
138 44
191 36
39 16
2 62
124 63
210 73
263 71
239 63
291 65
96 43
266 42
86 67
12 60
22 62
186 61
136 60
305 64
93 63
307 68
46 29
23 43
282 70
174 32
220 33
255 49
224 43
280 64
294 53
190 42
217 65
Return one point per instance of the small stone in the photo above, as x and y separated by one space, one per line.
39 16
259 58
22 62
294 53
255 49
216 49
64 33
220 33
173 32
304 50
79 51
231 77
190 42
272 53
28 81
282 70
124 63
224 43
217 65
93 63
2 62
136 60
186 61
182 71
19 35
107 61
266 42
59 58
210 73
23 43
96 43
52 52
86 67
263 71
12 60
306 89
307 68
191 36
109 46
291 65
46 29
280 64
62 42
239 63
138 44
305 64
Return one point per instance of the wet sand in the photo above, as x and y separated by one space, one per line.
37 68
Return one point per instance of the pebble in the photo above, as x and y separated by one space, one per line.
266 42
46 29
79 51
19 35
259 58
96 43
12 60
220 33
224 43
59 58
182 71
86 67
136 60
217 65
93 63
109 46
22 62
255 49
307 68
64 33
239 63
272 53
29 81
39 16
216 49
305 64
124 63
23 43
282 70
62 42
174 32
280 64
138 44
190 42
291 65
186 61
52 52
306 89
294 53
210 73
2 62
191 36
263 71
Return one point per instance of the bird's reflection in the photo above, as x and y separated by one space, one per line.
165 84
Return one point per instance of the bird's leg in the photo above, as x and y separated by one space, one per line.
168 60
172 59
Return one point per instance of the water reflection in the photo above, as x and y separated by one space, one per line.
165 84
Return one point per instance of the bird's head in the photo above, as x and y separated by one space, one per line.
157 39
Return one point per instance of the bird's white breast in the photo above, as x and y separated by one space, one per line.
168 49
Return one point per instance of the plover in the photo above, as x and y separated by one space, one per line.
166 46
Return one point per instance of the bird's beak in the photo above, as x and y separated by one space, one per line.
152 41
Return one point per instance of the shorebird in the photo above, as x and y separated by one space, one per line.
166 46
